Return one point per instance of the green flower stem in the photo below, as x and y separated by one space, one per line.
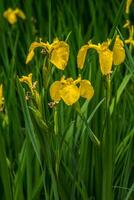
55 121
108 92
29 170
56 131
50 20
107 157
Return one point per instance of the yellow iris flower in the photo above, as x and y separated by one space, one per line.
106 56
27 80
70 90
32 86
129 25
58 52
11 15
127 11
1 97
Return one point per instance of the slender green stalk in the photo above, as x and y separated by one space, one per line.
56 129
107 157
50 19
29 170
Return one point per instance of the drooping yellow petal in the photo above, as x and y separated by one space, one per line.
70 94
55 91
10 16
37 44
118 52
30 56
106 60
81 57
32 48
86 89
59 54
18 12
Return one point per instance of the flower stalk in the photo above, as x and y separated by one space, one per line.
107 149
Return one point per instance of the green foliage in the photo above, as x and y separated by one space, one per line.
82 152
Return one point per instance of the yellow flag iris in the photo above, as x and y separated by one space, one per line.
27 80
11 15
32 86
70 90
58 52
129 25
106 56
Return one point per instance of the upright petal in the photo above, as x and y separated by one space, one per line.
106 60
30 56
59 54
81 57
55 91
86 89
70 94
118 52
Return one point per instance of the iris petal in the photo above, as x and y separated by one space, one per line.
106 60
10 16
70 94
55 91
86 89
81 57
27 80
59 54
19 13
32 48
118 52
